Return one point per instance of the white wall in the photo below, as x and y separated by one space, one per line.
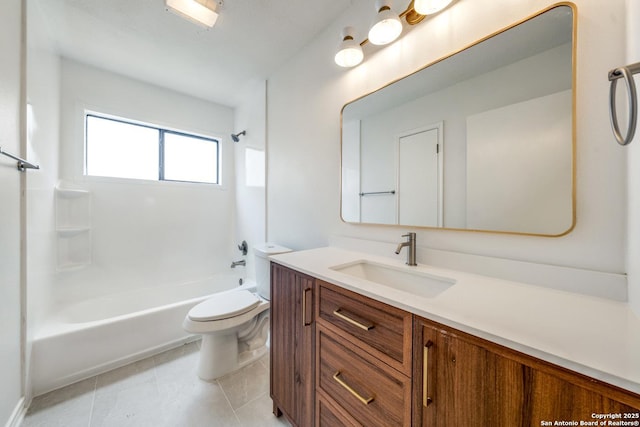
351 185
250 209
521 184
633 163
43 130
307 94
11 216
145 232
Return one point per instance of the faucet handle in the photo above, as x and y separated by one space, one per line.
410 235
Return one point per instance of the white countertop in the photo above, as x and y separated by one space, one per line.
594 336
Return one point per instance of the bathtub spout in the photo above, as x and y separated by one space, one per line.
234 264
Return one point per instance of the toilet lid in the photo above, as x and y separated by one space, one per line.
224 306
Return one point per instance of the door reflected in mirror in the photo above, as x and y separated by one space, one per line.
482 139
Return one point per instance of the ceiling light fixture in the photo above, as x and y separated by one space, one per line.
429 7
349 51
199 11
386 26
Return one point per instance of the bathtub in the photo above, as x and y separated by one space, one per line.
93 336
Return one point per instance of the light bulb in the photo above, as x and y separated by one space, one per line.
349 51
349 57
386 26
429 7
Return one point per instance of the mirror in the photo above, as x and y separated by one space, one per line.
480 140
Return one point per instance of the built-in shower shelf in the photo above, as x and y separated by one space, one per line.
71 231
71 193
73 227
72 266
74 248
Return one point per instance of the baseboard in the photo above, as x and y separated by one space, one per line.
15 420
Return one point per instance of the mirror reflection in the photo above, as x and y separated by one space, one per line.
481 140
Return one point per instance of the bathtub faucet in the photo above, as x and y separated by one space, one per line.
236 263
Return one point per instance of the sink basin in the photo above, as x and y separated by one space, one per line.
402 278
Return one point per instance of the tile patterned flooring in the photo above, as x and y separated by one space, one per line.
160 391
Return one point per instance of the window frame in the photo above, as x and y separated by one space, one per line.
161 148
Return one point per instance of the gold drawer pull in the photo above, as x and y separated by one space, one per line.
353 322
366 401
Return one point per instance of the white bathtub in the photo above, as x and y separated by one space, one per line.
94 336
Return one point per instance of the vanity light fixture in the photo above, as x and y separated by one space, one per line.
349 51
201 12
386 26
429 7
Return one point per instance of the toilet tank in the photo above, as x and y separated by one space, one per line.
263 271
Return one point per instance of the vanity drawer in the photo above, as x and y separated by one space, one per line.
331 415
368 390
385 331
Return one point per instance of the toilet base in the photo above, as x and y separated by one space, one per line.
218 355
223 353
224 362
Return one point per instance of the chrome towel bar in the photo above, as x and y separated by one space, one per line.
22 163
625 73
378 192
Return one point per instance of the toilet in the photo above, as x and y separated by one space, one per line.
235 324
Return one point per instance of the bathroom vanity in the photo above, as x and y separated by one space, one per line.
468 351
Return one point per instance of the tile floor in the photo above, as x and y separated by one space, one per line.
160 391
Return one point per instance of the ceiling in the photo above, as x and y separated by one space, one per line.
142 40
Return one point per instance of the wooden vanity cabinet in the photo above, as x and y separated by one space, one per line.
462 380
292 386
339 358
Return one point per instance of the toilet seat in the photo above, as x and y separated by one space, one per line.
224 306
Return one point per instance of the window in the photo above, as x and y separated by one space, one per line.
120 149
254 167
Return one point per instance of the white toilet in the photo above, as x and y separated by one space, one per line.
234 325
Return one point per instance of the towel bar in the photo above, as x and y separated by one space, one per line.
22 163
625 73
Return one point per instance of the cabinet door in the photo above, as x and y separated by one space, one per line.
304 360
478 387
457 383
292 349
426 399
553 398
461 380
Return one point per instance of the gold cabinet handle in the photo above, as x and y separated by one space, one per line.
306 313
364 400
352 321
426 399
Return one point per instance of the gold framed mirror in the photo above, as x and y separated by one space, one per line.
481 140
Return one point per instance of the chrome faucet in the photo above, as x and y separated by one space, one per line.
411 251
234 264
